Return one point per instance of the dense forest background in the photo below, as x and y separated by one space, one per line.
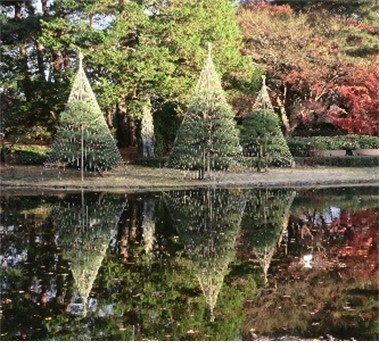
320 58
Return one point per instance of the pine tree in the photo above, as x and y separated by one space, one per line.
207 139
83 136
261 138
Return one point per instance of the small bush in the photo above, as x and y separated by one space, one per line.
28 154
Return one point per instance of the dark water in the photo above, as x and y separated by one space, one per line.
190 265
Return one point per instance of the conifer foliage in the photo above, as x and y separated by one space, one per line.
261 138
208 138
83 134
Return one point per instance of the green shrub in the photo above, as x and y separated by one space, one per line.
157 162
302 146
347 161
28 154
368 142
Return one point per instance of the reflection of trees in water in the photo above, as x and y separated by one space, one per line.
148 226
317 303
85 225
208 222
265 222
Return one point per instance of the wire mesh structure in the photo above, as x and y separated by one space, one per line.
207 139
83 138
263 102
208 223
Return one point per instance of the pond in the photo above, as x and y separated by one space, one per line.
202 264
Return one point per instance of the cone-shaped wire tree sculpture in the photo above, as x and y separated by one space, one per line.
83 138
208 223
208 138
265 221
85 225
261 138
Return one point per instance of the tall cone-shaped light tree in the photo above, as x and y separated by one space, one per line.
208 138
83 137
261 138
208 222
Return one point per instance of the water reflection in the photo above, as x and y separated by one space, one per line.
265 223
208 223
84 228
173 260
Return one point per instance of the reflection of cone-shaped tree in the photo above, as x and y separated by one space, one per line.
207 139
83 134
265 221
261 138
85 226
208 222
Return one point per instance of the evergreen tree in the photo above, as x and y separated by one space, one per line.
83 135
207 139
261 138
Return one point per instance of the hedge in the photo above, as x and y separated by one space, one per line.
302 146
26 154
346 161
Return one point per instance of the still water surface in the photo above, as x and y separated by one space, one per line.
190 265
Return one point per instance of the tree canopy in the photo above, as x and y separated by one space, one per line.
320 58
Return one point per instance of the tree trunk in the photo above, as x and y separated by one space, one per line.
44 7
26 83
56 61
17 11
41 68
147 142
283 115
126 126
66 59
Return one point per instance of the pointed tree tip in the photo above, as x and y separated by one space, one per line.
209 48
80 58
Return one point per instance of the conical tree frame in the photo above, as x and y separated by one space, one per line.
83 138
207 139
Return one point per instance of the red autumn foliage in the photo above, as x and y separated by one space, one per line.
312 76
357 107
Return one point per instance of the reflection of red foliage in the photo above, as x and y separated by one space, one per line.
361 232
